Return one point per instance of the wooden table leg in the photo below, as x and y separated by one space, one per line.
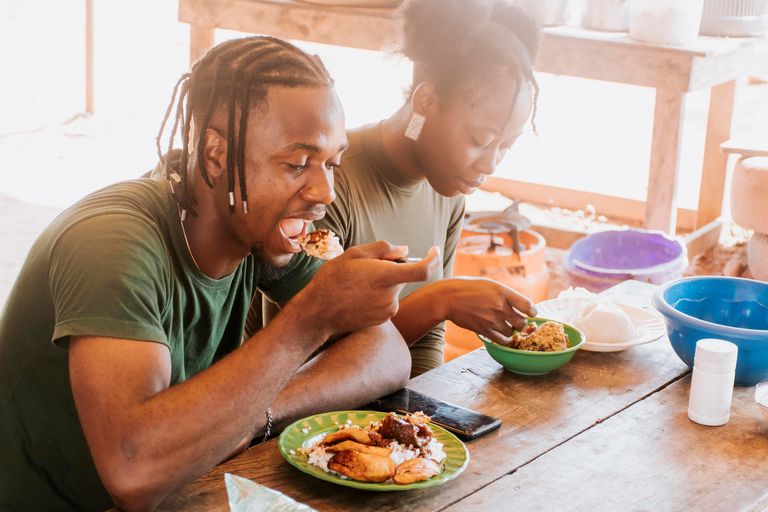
721 101
201 39
89 56
661 204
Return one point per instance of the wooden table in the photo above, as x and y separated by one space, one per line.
608 431
711 62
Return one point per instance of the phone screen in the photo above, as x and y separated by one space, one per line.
465 423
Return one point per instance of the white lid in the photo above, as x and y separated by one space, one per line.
716 353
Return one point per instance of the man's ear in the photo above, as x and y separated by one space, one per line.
215 153
425 99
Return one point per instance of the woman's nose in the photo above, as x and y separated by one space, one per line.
488 161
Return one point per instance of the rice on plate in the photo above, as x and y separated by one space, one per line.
396 438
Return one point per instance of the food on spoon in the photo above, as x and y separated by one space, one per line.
416 470
548 337
362 466
604 322
356 453
321 243
360 448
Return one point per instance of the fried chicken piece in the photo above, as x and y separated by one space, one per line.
548 337
416 470
354 433
360 448
362 467
414 432
377 440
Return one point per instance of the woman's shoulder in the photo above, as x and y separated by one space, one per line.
356 138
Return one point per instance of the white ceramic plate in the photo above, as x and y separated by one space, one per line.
649 328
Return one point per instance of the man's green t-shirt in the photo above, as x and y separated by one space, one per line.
116 264
374 201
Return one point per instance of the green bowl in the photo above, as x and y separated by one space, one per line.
527 362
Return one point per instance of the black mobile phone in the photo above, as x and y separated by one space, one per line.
465 423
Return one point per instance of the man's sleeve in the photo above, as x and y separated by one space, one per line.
108 277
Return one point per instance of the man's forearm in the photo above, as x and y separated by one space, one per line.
353 371
149 441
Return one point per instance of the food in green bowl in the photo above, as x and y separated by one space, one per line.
528 362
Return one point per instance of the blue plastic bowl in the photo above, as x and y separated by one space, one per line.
726 308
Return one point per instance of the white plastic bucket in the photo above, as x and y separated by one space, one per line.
673 22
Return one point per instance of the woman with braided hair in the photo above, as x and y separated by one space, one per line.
122 372
403 179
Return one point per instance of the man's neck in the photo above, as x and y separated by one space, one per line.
215 252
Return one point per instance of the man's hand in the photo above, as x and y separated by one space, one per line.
360 288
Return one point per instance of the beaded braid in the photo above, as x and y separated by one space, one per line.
235 75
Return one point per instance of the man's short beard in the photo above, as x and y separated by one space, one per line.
269 273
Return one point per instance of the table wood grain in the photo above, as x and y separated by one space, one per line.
649 457
538 413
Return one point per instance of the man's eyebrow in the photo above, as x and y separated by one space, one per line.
301 145
309 147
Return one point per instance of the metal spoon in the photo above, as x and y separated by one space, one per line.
406 260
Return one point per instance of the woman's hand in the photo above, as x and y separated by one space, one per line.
485 306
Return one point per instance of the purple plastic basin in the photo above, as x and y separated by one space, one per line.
604 259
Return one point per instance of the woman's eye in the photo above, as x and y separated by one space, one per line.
480 144
331 166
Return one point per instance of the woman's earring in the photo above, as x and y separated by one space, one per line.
414 126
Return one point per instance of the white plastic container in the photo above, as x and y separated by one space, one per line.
714 373
734 18
673 22
548 13
609 15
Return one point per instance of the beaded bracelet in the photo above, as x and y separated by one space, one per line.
269 425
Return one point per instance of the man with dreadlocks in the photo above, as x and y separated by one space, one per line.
404 179
122 372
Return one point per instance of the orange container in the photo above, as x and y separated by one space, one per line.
525 273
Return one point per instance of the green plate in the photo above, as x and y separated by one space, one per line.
294 437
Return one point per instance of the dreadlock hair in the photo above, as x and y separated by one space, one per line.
453 42
235 75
